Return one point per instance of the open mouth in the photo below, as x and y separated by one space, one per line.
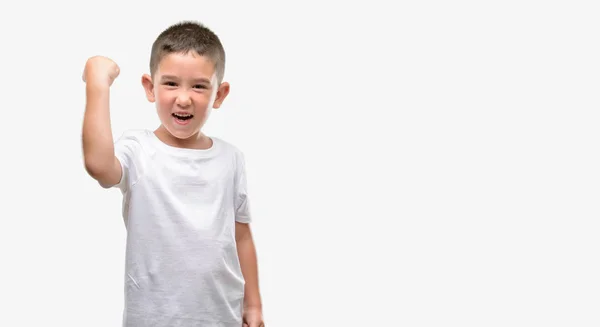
183 117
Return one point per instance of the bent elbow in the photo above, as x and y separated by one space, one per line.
94 168
101 171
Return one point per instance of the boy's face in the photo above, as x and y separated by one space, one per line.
185 90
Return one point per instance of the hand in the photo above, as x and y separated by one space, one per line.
100 71
253 317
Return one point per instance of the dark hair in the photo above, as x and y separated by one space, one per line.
187 36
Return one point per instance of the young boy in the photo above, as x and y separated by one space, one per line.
190 255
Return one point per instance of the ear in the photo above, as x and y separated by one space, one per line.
148 87
222 93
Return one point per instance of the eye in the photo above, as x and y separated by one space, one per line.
170 84
200 86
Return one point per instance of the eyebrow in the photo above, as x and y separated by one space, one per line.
172 77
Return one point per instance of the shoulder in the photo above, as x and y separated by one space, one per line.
133 142
227 147
141 138
137 135
233 153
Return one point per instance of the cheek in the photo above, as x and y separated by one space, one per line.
202 102
164 100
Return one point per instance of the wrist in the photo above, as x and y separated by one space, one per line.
253 306
97 87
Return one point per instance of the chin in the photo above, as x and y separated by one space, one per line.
180 132
183 134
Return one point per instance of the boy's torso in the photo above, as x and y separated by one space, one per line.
182 267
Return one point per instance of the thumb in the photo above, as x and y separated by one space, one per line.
115 72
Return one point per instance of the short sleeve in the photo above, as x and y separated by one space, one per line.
242 204
127 152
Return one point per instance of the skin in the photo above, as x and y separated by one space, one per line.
182 83
185 83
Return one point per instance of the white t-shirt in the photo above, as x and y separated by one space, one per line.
179 208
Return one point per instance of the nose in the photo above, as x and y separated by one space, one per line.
183 99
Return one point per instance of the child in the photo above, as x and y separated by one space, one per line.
190 257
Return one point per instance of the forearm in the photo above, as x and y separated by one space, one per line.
248 261
98 147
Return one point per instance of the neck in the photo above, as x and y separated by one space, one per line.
196 141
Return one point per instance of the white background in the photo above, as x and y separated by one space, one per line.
410 164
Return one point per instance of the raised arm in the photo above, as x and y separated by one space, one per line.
98 145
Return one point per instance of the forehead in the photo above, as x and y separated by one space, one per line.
185 65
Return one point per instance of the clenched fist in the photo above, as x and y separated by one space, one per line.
100 71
